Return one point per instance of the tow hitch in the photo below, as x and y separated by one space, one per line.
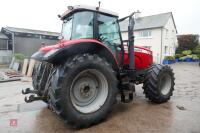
31 98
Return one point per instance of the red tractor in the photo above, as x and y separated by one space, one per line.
80 76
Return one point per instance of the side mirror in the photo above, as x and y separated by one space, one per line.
60 37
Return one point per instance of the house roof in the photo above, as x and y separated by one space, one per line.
2 36
153 21
30 31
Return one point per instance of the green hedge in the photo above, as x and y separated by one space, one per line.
183 58
19 56
169 58
178 55
194 54
187 52
178 51
195 57
196 50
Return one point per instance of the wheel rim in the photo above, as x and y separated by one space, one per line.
89 91
165 84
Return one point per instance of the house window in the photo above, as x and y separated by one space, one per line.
166 32
165 49
146 33
149 47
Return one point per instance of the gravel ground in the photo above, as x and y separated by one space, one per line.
180 114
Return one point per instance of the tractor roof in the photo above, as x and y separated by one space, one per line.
72 9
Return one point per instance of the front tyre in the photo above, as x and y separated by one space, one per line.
83 90
159 83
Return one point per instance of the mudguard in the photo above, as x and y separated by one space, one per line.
60 52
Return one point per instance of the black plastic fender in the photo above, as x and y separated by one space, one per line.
57 56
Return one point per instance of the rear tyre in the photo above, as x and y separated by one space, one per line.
159 83
83 90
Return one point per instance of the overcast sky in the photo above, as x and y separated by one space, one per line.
42 14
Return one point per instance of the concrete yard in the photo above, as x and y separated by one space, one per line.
180 115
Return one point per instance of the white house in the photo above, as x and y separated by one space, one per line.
156 32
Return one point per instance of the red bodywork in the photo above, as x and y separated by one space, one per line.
64 43
143 56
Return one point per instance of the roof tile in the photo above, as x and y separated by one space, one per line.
147 22
30 31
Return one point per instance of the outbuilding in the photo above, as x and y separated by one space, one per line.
4 52
25 41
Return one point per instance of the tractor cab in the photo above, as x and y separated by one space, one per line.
89 22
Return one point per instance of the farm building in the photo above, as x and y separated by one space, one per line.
25 41
4 52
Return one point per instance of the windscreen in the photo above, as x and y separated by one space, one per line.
79 25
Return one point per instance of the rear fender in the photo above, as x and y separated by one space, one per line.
60 55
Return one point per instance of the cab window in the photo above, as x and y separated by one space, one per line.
108 30
67 28
82 25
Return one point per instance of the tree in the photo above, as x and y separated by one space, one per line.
196 50
188 42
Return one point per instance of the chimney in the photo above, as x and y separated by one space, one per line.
137 14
